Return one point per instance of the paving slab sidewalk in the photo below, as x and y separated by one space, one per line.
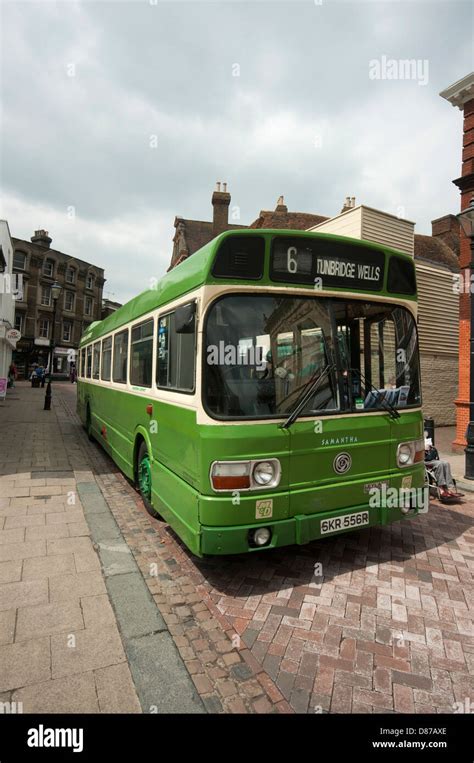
79 629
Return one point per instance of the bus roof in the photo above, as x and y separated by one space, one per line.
196 271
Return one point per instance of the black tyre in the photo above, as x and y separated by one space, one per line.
144 479
89 425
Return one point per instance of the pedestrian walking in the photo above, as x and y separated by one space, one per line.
12 374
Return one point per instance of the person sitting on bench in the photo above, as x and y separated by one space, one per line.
441 471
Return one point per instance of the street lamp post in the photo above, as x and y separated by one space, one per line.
55 292
466 219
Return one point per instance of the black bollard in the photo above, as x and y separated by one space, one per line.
469 451
47 398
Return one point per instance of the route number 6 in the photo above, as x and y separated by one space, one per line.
291 262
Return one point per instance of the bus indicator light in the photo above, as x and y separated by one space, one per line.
149 409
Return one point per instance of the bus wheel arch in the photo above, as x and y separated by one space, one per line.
89 422
143 473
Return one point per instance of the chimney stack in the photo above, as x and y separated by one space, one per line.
281 206
447 229
347 205
220 204
42 238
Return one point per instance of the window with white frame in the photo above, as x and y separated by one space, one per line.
96 360
46 296
106 359
70 275
48 268
19 260
89 281
88 306
69 299
67 331
19 322
44 328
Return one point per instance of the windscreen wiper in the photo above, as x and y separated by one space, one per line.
391 410
310 389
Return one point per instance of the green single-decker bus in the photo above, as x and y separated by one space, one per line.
266 391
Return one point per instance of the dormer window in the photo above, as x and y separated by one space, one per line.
70 275
48 268
90 281
19 260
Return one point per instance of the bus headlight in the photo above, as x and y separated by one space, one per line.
260 537
264 472
409 453
245 475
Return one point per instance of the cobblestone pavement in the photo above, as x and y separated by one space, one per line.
388 628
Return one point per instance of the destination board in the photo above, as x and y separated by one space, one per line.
327 263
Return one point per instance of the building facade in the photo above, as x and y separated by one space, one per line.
78 305
7 299
461 95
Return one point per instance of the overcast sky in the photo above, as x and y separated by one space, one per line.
117 116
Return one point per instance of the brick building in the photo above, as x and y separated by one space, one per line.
191 235
461 94
79 303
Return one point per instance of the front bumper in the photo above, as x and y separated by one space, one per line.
298 530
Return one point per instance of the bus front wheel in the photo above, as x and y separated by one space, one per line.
144 479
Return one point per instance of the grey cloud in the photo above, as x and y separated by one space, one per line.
166 69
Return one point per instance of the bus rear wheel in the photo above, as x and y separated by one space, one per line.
144 479
89 424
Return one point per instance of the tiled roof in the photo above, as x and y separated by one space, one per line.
198 233
286 220
435 251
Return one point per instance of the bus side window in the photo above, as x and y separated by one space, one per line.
120 357
106 359
96 361
88 362
141 354
176 356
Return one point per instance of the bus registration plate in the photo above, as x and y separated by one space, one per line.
347 522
